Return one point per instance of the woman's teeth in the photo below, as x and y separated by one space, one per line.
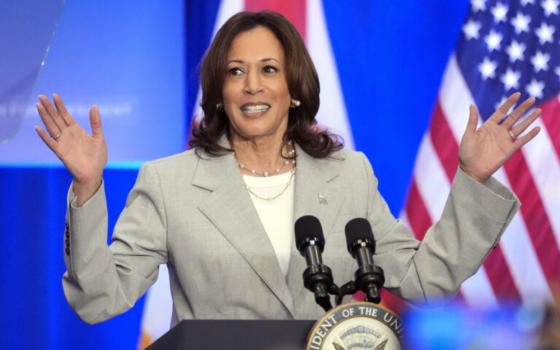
255 108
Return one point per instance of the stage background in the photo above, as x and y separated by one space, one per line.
138 61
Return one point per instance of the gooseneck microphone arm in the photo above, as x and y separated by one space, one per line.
369 278
317 277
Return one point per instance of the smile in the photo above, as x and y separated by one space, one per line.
255 108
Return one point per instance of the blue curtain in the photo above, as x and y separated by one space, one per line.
129 58
34 313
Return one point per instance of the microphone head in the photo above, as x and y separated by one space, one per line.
308 229
358 231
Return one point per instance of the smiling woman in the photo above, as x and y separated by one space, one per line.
221 215
249 53
256 98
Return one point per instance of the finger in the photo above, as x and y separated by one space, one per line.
47 105
61 108
49 141
526 138
524 124
473 118
95 122
51 126
505 107
518 112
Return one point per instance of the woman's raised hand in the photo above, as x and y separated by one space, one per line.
484 150
84 155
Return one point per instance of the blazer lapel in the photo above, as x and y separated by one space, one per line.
314 195
230 209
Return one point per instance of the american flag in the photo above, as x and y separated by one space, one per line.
505 46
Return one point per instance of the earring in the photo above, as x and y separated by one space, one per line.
295 103
219 106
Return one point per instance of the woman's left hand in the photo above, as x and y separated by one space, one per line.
486 149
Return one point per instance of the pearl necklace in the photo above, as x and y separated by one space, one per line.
285 162
276 171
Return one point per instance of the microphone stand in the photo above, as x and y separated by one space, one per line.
370 281
318 278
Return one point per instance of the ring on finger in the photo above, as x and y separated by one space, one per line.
56 137
511 134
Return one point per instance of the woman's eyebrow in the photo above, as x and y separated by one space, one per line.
268 59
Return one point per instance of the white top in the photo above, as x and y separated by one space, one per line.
277 215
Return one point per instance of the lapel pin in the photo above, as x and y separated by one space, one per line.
322 199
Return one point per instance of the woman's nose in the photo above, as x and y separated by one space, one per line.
253 83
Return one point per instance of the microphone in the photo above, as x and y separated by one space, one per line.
310 242
361 245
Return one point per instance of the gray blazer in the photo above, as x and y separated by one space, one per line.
195 215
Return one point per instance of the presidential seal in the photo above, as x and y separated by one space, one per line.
359 325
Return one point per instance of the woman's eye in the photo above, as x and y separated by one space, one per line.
270 69
235 71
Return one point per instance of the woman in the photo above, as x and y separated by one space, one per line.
221 215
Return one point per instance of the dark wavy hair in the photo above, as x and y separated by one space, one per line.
302 79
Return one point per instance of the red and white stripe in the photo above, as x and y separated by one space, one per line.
526 265
308 18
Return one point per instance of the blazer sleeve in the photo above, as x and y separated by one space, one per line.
473 220
102 281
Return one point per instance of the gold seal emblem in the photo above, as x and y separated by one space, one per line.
358 325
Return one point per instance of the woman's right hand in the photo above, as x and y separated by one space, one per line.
84 155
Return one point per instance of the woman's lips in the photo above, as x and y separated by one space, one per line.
254 109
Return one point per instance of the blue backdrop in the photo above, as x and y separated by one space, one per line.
139 61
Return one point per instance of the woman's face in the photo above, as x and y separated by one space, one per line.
255 92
